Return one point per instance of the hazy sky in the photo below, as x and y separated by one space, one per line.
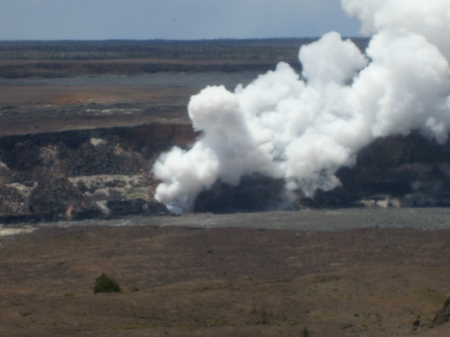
171 19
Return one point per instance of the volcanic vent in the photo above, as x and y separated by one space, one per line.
304 128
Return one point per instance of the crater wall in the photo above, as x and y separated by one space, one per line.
106 173
84 173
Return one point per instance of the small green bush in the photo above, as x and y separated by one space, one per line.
24 313
305 333
106 284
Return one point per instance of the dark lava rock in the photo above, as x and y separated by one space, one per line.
412 169
108 157
23 156
84 173
254 193
55 199
12 202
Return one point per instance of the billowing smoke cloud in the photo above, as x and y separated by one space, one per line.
303 129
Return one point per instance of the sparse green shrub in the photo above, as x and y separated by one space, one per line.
264 317
106 284
25 313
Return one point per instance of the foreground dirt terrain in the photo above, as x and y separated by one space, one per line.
224 282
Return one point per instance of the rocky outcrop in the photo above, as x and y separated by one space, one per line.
84 174
443 314
398 171
254 193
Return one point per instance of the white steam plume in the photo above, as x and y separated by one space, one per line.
304 130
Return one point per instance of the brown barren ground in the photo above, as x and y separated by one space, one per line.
60 68
80 95
223 282
54 109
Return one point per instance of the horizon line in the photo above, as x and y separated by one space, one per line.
178 40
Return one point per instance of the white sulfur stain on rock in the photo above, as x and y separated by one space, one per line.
15 231
97 141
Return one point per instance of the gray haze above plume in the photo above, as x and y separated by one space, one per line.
171 19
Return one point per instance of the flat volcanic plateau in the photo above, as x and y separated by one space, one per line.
81 124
